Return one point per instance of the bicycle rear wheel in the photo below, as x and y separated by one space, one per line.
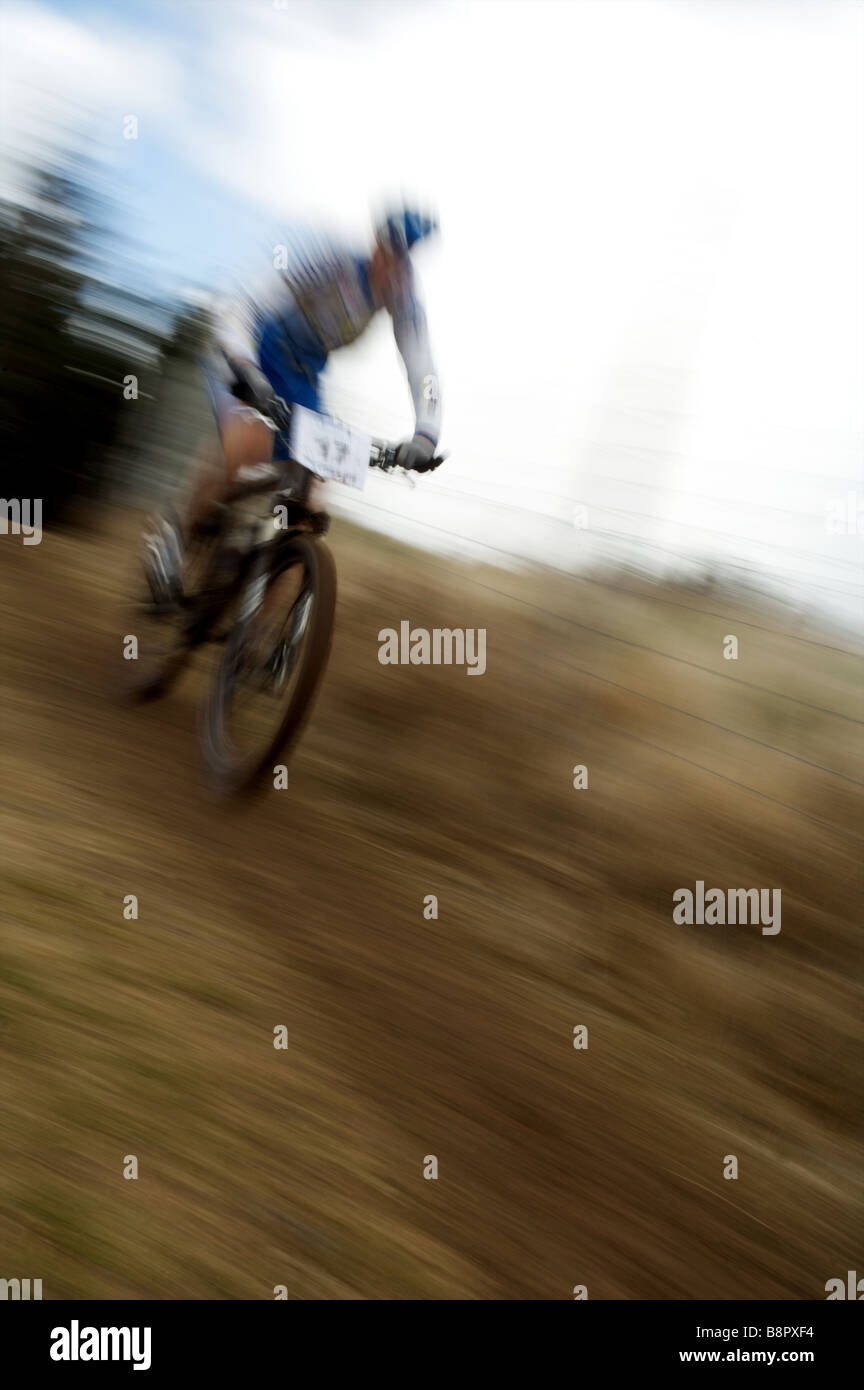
272 665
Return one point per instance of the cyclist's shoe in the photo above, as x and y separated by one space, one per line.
163 560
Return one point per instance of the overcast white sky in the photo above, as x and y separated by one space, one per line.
652 215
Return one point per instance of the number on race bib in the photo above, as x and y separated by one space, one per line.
327 447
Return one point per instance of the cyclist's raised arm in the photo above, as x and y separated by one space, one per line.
412 339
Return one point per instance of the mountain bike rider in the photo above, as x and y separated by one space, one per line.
277 341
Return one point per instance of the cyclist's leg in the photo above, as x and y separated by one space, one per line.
244 439
297 386
295 373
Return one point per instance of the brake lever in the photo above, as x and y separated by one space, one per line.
394 467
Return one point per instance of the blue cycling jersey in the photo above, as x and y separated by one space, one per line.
317 299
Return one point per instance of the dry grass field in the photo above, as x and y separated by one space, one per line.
407 1036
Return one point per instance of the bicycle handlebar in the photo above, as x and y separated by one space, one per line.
382 455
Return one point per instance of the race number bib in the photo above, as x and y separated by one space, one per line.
327 447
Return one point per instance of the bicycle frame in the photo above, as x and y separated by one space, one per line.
289 483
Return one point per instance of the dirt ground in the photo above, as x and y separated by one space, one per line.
410 1037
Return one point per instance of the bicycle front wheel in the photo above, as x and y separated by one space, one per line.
272 665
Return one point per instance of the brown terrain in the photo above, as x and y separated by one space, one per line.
409 1037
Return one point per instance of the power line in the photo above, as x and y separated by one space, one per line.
712 772
634 593
691 762
735 733
621 536
775 800
707 612
789 576
714 531
682 660
649 516
637 482
577 579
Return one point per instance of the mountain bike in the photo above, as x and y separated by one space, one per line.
261 582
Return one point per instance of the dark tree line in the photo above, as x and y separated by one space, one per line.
70 335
